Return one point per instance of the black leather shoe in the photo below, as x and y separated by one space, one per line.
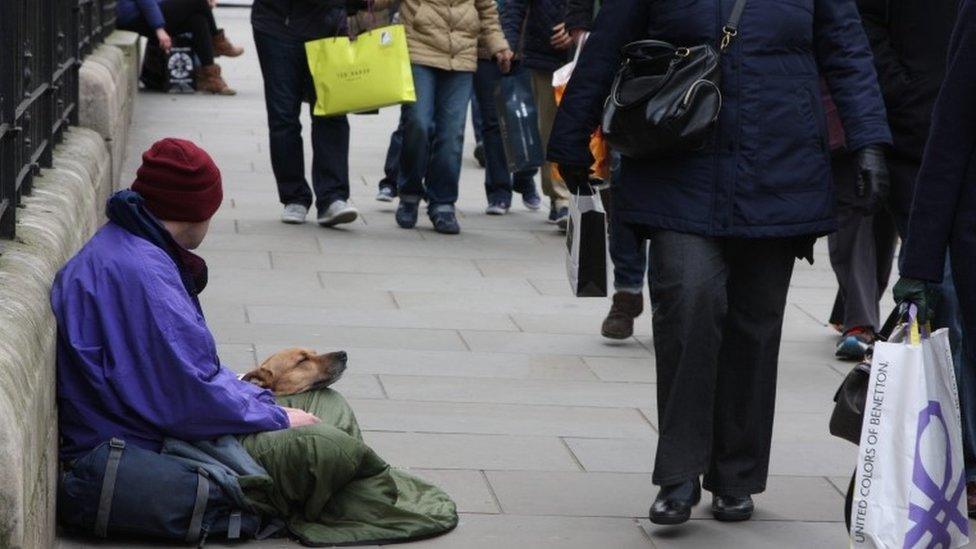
673 503
732 508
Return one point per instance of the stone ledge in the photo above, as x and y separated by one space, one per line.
56 220
108 82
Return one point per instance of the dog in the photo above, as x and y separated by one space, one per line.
294 371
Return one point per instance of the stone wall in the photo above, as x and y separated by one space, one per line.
63 211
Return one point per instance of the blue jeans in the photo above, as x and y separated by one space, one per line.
499 183
287 83
628 250
433 137
391 168
477 122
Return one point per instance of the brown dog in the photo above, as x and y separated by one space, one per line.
295 371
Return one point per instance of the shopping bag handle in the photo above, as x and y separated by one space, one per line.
914 331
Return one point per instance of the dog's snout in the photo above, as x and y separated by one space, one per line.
341 355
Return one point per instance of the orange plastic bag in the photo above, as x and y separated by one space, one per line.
598 146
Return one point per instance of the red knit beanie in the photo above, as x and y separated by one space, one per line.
179 181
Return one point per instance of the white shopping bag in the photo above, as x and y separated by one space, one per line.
910 487
586 245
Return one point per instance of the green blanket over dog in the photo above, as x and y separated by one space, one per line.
330 488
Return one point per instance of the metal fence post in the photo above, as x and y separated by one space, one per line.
41 46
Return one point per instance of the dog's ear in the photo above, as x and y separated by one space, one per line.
262 377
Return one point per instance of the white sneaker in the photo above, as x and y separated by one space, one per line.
497 208
294 214
337 213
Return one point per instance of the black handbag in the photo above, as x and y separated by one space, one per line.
666 99
852 395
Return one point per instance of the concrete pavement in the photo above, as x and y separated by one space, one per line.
470 362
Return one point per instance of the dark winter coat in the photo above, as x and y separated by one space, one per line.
766 171
299 19
909 39
579 14
542 16
944 211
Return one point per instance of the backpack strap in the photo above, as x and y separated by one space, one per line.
116 446
195 531
234 524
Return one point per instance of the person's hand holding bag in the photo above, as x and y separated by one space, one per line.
873 181
574 176
919 293
504 59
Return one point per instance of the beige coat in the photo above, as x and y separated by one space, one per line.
446 34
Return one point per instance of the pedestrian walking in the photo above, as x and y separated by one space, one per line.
909 39
728 221
628 249
443 36
943 218
499 183
544 48
391 167
160 20
280 32
861 251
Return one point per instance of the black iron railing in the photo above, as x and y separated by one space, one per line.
42 43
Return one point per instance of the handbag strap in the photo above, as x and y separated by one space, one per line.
731 29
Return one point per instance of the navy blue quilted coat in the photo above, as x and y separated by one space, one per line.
766 172
537 18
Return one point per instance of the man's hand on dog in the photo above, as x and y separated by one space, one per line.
299 418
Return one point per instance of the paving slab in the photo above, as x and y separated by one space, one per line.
498 531
528 391
455 451
496 419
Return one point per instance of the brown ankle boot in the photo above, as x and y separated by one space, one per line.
619 323
223 47
209 80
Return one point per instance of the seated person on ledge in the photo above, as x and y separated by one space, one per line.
136 361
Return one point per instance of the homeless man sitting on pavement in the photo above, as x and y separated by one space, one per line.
137 363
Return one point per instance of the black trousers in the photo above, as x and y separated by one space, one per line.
186 16
862 250
717 327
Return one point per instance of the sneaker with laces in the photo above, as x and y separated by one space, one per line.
385 194
562 218
445 222
294 214
406 214
497 208
337 213
855 344
531 199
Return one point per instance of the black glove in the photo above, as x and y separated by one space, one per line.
576 177
873 182
918 292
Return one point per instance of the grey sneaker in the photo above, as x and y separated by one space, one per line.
337 213
294 214
385 194
497 208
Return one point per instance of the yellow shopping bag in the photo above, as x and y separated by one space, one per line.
361 75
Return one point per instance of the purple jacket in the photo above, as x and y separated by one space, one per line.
135 357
